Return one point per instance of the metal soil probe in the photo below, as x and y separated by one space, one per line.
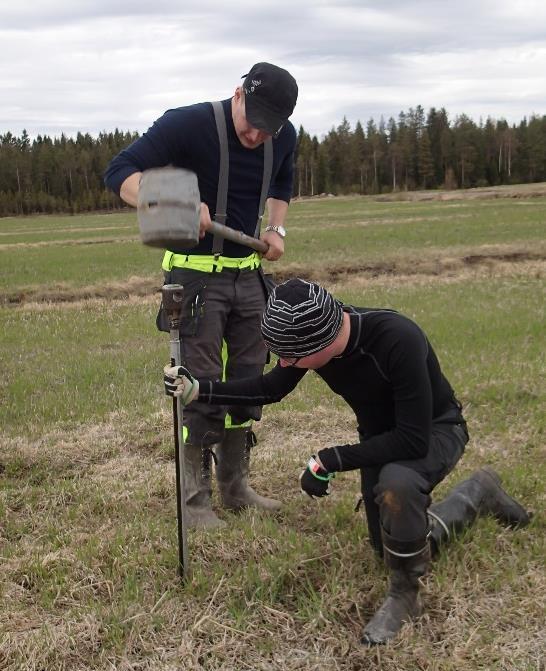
172 295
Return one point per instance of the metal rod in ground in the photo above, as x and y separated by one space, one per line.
172 302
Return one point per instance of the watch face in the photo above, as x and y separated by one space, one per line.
281 231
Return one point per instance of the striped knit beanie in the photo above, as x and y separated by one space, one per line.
300 318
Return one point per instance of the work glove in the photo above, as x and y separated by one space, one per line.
314 480
180 383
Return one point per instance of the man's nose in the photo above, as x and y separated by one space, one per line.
256 135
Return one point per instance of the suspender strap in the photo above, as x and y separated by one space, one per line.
221 195
268 167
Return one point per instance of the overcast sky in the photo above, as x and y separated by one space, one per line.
92 65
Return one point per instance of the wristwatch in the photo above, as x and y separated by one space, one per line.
280 230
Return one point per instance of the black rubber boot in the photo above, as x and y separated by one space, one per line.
408 561
481 494
197 479
232 468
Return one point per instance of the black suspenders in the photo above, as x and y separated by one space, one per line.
221 196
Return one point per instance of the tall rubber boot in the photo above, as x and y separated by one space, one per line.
197 478
232 468
408 561
481 494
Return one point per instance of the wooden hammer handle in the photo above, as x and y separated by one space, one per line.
237 236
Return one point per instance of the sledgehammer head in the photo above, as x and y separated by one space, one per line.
168 208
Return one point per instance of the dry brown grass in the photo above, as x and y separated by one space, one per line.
482 193
88 532
472 263
471 598
70 242
65 293
69 229
372 221
516 191
481 262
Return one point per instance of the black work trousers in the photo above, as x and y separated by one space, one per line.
220 309
397 495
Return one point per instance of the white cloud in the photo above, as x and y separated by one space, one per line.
98 65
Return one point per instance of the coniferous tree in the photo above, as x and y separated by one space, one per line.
536 150
65 174
359 155
425 161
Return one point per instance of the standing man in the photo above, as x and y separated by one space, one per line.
242 150
411 430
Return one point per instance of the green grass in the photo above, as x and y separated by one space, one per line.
77 265
380 229
44 227
349 231
73 365
87 513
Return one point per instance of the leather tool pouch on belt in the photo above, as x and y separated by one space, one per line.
195 284
162 319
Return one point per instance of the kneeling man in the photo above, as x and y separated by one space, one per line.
410 424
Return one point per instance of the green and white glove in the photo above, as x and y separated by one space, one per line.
180 383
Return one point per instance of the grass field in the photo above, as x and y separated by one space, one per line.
88 548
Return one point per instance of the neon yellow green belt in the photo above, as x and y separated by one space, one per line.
209 264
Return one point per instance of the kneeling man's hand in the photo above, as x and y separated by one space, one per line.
180 383
315 480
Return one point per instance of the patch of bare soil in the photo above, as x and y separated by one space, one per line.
64 293
488 261
415 270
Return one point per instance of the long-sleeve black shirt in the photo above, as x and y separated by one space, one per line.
186 137
388 374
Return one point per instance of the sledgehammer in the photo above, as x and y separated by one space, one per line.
168 209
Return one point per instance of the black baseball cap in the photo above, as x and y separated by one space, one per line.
270 97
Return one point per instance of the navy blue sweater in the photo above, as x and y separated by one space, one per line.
388 374
186 137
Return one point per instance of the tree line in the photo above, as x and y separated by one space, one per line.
48 175
421 151
415 151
